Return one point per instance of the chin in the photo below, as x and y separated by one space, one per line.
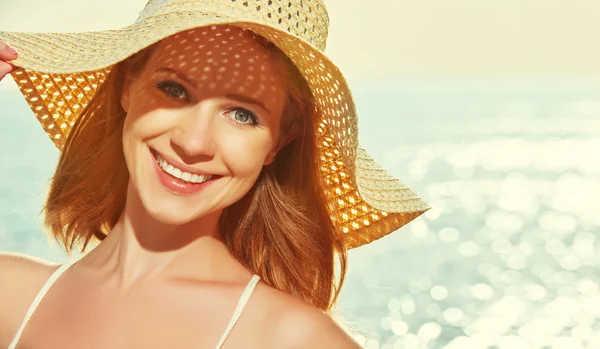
179 213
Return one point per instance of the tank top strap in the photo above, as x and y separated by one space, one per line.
241 304
238 309
38 298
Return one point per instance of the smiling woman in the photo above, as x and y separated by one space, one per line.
204 148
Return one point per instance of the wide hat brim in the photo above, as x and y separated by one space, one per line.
62 71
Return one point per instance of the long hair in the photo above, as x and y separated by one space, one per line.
281 229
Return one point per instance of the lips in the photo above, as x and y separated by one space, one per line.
181 174
177 180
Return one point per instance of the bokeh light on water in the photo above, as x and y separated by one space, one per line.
508 256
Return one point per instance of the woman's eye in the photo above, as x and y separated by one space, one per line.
243 116
174 90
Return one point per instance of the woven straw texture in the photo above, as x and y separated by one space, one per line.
62 71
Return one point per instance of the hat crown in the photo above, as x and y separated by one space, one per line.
306 19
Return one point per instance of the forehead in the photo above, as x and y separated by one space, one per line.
224 59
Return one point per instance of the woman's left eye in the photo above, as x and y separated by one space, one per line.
174 90
243 116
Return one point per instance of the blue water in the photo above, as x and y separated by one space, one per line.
507 257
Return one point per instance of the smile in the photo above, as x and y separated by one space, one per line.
177 173
180 180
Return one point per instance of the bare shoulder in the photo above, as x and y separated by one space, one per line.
295 324
21 277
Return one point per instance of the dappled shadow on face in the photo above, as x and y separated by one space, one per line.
218 61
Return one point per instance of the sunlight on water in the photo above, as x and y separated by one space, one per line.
509 251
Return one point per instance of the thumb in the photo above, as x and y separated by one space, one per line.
5 69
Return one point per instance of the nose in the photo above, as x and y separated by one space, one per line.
194 132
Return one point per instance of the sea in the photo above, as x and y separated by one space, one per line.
508 256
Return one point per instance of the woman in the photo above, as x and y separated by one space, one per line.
206 147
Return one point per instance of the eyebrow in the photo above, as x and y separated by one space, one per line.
237 97
246 99
180 75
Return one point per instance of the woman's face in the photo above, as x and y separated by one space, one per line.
202 120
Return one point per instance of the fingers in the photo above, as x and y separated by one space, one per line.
6 68
7 53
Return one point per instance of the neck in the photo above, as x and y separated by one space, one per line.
141 248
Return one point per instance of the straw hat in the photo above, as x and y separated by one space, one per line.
62 71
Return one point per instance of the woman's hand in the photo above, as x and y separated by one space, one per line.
7 54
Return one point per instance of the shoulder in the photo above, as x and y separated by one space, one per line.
295 324
21 277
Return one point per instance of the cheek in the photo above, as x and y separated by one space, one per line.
245 152
148 113
145 97
140 126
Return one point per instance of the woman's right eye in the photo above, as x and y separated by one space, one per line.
173 90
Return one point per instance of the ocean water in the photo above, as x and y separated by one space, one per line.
507 257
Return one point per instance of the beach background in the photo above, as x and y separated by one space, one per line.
489 110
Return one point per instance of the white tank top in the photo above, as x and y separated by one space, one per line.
38 298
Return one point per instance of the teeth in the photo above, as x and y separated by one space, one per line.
185 176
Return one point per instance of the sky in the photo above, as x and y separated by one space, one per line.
375 39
